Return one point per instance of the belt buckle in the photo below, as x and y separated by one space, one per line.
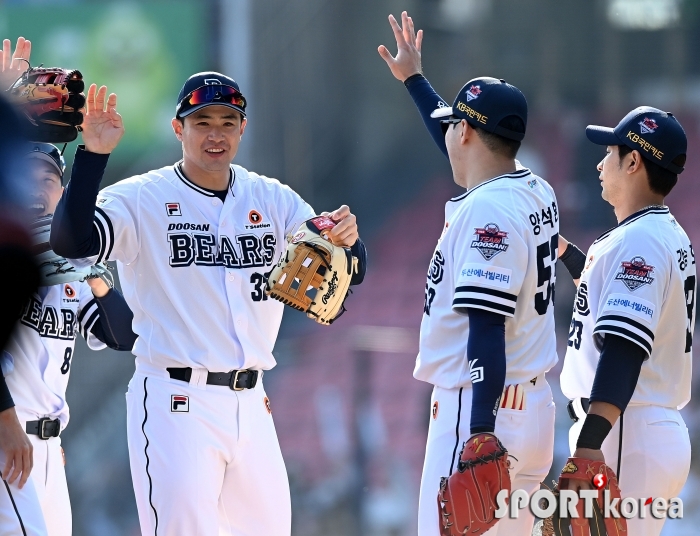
42 428
234 382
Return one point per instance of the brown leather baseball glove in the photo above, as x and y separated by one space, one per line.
467 499
50 99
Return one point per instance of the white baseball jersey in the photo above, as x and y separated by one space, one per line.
497 252
638 283
37 360
193 268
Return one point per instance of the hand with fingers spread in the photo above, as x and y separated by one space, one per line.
407 61
345 233
18 450
13 65
102 127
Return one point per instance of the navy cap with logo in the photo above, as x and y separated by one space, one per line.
208 89
48 153
657 135
484 102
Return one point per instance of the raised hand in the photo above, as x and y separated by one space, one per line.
407 61
102 128
12 65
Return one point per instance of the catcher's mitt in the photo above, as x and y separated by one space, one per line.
50 98
467 499
598 525
53 268
313 275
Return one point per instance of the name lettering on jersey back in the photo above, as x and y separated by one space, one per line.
483 274
49 322
631 306
241 251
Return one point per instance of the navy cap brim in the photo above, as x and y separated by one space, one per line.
46 158
443 111
204 105
602 135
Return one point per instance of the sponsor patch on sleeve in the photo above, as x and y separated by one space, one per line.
483 274
489 240
630 305
635 273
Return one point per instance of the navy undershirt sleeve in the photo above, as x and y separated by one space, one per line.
113 326
427 100
618 371
359 250
6 401
486 352
73 234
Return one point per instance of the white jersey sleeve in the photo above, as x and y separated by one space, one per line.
116 220
491 264
88 315
634 290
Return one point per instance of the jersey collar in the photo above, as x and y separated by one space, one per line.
518 174
654 209
181 175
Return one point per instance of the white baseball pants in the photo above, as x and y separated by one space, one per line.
205 460
42 506
655 457
528 434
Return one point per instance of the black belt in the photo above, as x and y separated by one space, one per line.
585 404
236 380
44 428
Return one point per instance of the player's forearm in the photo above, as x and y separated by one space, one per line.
486 347
114 324
359 250
427 100
572 257
73 234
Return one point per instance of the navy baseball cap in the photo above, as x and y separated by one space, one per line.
207 89
657 135
48 153
484 102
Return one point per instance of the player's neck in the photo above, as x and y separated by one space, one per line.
483 170
211 180
631 204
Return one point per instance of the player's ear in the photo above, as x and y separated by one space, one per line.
244 122
635 162
467 131
177 127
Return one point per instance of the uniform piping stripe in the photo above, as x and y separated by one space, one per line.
483 304
181 175
491 292
632 218
109 229
459 416
617 330
103 237
19 517
87 326
89 305
145 451
624 319
516 175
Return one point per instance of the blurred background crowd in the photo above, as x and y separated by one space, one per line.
327 118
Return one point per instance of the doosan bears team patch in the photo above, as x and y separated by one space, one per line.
490 241
635 273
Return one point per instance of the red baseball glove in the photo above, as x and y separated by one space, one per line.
467 499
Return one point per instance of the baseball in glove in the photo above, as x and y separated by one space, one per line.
467 499
313 275
53 268
603 478
50 99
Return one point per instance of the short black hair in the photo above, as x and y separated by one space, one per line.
661 181
499 145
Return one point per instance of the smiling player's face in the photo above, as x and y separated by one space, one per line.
46 188
210 137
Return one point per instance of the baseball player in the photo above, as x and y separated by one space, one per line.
487 335
36 366
194 243
627 369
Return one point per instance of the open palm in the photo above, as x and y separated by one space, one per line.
102 127
13 65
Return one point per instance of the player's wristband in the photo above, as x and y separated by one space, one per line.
574 259
595 430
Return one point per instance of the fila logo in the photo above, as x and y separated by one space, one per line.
179 404
173 209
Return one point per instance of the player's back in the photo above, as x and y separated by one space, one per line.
497 252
